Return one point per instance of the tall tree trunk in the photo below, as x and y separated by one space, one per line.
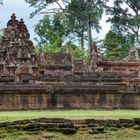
89 34
82 41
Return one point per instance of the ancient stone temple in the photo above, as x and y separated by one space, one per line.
17 57
55 80
128 68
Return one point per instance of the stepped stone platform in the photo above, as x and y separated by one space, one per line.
54 80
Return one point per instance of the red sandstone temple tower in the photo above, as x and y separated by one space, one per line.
17 57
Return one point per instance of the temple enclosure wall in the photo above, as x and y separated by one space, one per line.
48 97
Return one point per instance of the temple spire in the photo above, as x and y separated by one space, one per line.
21 21
12 21
13 17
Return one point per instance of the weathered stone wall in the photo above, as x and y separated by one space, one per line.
24 100
97 101
44 97
58 58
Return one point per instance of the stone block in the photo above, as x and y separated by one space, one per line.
68 131
5 124
66 125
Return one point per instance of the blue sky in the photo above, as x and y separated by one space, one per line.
22 10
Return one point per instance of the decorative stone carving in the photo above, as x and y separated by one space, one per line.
132 55
24 69
41 59
93 58
16 49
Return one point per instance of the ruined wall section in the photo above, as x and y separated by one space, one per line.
25 97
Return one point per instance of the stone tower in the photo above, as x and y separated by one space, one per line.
17 56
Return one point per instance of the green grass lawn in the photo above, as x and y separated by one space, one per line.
11 134
69 114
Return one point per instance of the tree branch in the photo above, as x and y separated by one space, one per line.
59 5
131 6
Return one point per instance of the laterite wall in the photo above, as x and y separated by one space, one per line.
18 100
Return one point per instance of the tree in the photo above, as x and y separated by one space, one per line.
85 14
51 31
126 17
39 5
76 21
115 45
80 12
77 53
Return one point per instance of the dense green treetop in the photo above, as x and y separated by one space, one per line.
116 46
126 17
51 31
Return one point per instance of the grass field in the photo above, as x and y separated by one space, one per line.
127 133
69 114
123 134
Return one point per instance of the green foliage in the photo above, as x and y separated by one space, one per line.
77 53
39 5
51 31
82 13
37 49
9 132
53 49
116 46
78 13
126 17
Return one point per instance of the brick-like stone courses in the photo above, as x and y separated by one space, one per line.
58 64
25 96
79 67
92 126
128 68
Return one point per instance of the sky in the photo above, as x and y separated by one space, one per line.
23 10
